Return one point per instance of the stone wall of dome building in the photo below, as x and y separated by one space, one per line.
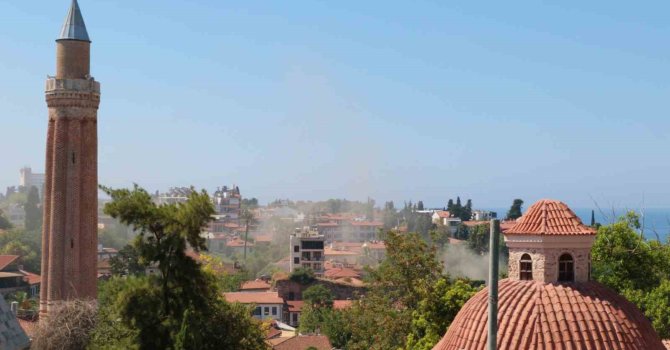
545 263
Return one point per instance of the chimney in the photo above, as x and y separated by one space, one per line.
14 307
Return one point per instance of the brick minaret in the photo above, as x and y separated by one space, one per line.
69 237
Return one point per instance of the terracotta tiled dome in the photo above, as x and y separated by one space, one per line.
536 315
550 217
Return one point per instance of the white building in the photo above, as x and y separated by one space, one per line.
29 179
307 250
483 215
444 218
268 304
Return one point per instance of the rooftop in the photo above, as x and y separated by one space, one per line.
536 315
256 284
253 298
550 217
320 342
74 27
6 260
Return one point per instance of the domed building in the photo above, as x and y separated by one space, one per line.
549 300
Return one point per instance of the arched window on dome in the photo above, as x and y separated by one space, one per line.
566 268
526 268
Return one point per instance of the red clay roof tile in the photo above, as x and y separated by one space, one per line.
300 342
536 315
6 260
550 217
254 298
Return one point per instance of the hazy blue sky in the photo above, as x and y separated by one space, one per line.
393 100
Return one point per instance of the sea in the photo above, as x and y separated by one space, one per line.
655 221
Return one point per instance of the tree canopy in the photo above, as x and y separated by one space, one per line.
515 210
636 268
176 308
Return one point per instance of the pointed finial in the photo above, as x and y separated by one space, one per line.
74 27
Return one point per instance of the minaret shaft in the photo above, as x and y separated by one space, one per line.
69 237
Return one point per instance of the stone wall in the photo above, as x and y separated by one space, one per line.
545 263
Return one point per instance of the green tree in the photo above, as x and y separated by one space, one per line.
5 224
111 239
622 259
438 308
251 203
382 319
127 262
176 308
515 210
656 306
636 268
248 218
318 296
337 327
302 275
389 216
33 219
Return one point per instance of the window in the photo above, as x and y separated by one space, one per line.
266 311
291 296
526 268
315 245
296 249
274 311
257 311
295 318
566 268
296 260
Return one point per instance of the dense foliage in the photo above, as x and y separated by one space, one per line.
176 308
515 210
636 268
409 304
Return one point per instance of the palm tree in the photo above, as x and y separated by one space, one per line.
247 217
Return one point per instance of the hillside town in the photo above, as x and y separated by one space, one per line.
84 265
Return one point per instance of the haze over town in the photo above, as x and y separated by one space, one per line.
334 176
348 100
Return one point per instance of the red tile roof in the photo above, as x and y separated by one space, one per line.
367 223
472 223
335 273
341 304
327 224
295 305
272 333
332 252
536 315
376 245
550 217
31 278
253 298
443 214
264 238
238 243
301 342
6 260
257 284
351 280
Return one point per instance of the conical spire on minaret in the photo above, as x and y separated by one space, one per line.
74 27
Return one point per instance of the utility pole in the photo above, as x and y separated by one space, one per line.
493 285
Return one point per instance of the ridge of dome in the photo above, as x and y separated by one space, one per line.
536 315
